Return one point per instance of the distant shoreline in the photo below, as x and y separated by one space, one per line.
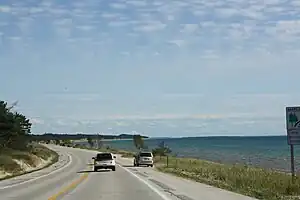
110 140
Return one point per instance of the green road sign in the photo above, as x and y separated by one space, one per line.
292 117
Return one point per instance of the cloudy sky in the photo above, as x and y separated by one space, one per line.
158 67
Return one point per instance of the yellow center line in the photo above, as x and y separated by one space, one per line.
69 187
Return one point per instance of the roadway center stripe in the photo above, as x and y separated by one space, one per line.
69 187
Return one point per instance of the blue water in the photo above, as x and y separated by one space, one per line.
267 152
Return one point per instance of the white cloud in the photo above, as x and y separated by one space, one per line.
179 43
139 3
63 22
190 28
36 10
73 96
125 53
63 31
151 26
36 121
58 11
183 95
3 23
226 41
295 3
85 27
121 123
110 15
119 23
227 12
15 38
247 116
118 5
5 9
171 17
209 54
288 28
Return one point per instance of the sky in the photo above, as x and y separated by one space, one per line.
156 67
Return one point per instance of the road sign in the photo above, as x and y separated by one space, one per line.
293 136
292 117
293 132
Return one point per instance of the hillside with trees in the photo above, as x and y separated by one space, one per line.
14 128
79 136
15 143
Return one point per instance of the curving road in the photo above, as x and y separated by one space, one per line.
72 178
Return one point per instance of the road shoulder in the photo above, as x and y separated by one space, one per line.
180 187
63 160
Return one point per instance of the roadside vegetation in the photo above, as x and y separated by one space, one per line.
16 147
255 182
243 179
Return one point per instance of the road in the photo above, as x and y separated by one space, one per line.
72 178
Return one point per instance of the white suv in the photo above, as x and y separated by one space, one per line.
143 158
104 161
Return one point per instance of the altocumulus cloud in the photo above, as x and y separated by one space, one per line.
229 65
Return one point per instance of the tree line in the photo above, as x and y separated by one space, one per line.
161 150
138 141
65 136
15 131
14 128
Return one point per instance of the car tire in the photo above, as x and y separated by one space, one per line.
95 169
151 165
113 168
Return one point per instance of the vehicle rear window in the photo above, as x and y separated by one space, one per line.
104 156
145 155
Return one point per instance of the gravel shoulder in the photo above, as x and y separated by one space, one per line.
183 189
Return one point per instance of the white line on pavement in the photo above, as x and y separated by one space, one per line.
45 175
162 195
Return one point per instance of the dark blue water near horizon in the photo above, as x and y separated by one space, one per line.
262 151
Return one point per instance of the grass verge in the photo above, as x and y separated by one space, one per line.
28 156
254 182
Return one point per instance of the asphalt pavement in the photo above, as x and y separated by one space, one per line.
72 178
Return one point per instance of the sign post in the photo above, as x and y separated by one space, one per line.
293 132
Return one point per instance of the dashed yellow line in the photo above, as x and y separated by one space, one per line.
69 187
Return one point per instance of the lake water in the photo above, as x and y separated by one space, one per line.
267 152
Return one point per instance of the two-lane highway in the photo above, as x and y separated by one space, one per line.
77 181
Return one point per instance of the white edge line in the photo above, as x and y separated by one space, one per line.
45 175
154 189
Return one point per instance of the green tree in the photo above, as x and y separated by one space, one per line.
90 142
47 141
100 141
57 141
14 128
161 150
138 141
68 142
